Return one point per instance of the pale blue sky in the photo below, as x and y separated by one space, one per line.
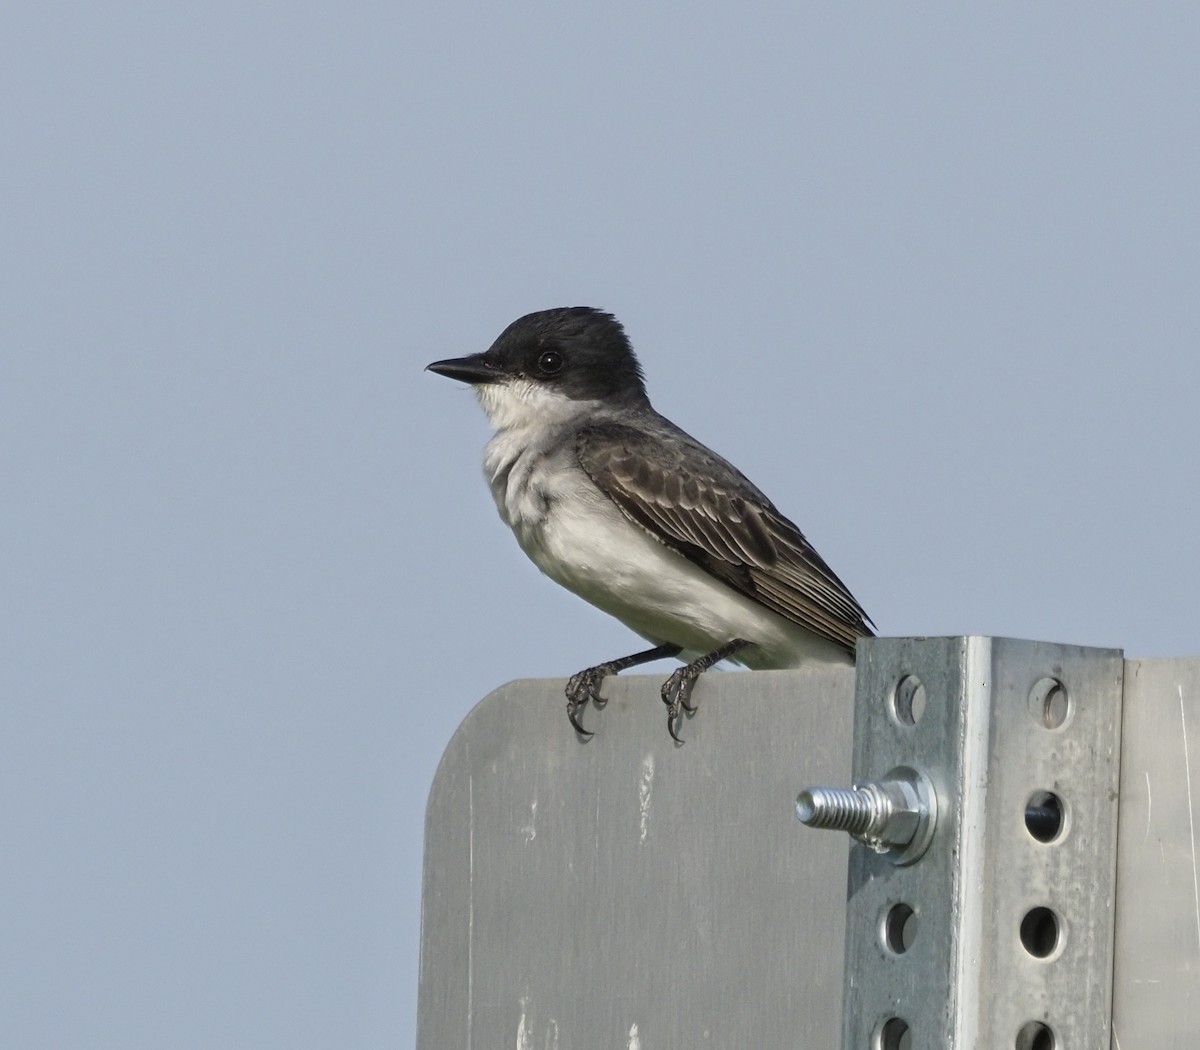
929 274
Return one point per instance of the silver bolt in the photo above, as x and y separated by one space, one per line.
842 809
895 815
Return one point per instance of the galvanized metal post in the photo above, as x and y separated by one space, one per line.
999 933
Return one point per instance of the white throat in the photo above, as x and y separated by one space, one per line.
519 404
532 422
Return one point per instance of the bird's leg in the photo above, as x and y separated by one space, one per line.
677 690
585 685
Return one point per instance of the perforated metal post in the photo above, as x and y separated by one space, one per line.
1000 934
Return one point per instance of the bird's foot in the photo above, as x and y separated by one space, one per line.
676 694
677 690
583 687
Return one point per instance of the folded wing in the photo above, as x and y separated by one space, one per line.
694 501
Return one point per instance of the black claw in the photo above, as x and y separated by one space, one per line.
583 687
675 692
573 718
671 719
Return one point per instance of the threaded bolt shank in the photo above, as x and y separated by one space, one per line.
839 809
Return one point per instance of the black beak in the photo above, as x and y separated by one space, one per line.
473 369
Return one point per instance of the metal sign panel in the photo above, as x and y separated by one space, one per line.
626 892
1157 969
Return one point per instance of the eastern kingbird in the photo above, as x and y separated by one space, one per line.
619 505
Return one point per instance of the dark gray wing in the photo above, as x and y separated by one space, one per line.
691 499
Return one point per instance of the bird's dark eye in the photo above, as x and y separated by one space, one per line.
549 362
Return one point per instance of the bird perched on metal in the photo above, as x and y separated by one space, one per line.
616 503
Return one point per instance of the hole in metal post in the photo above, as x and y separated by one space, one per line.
1039 932
908 700
1044 816
893 1034
1049 703
1036 1036
899 928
